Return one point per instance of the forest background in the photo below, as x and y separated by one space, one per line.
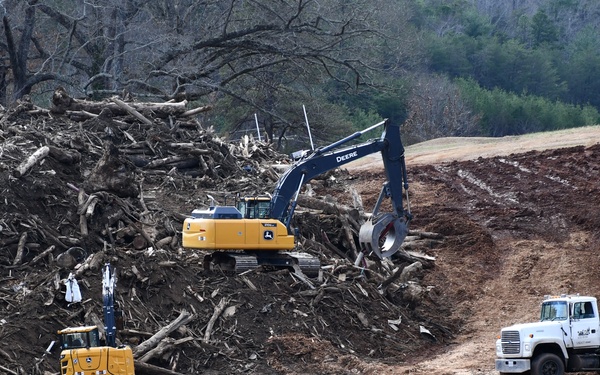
439 67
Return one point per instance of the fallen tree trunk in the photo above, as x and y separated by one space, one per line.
32 160
165 346
183 318
142 368
62 103
218 310
132 111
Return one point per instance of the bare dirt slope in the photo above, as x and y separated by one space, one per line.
519 225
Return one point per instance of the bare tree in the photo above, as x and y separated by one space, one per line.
205 49
195 47
18 51
436 109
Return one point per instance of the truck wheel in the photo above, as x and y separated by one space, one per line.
547 364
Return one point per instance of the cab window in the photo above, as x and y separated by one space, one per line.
583 310
554 310
74 340
81 339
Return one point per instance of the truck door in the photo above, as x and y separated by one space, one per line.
584 325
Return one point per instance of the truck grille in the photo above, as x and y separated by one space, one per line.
511 343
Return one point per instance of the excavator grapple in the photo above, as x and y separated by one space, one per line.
383 235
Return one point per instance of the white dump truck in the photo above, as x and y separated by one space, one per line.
566 339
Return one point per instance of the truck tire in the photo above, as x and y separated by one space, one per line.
547 364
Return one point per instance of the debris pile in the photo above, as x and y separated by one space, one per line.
85 183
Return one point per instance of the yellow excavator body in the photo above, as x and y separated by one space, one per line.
236 234
81 355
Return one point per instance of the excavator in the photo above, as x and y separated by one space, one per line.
257 230
82 350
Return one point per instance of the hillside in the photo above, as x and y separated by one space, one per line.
515 227
519 225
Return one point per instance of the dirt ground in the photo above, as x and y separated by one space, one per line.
516 227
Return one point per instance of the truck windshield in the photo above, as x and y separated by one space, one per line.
554 310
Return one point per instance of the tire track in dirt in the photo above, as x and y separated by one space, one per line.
538 210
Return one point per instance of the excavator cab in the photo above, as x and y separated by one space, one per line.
83 353
79 337
254 207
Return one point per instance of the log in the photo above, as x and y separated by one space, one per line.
132 111
163 347
142 232
148 369
183 318
195 111
35 158
180 160
218 310
62 103
8 371
134 332
191 292
164 242
93 262
42 254
429 235
412 257
81 200
91 205
333 248
139 242
357 201
349 235
20 249
392 278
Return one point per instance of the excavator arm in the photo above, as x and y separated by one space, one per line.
382 233
108 299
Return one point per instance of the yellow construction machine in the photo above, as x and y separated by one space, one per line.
257 230
83 352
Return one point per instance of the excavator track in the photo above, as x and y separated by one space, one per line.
238 262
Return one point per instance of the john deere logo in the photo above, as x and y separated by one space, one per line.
268 235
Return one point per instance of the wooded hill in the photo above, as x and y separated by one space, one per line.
522 66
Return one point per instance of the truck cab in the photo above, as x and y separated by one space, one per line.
565 339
